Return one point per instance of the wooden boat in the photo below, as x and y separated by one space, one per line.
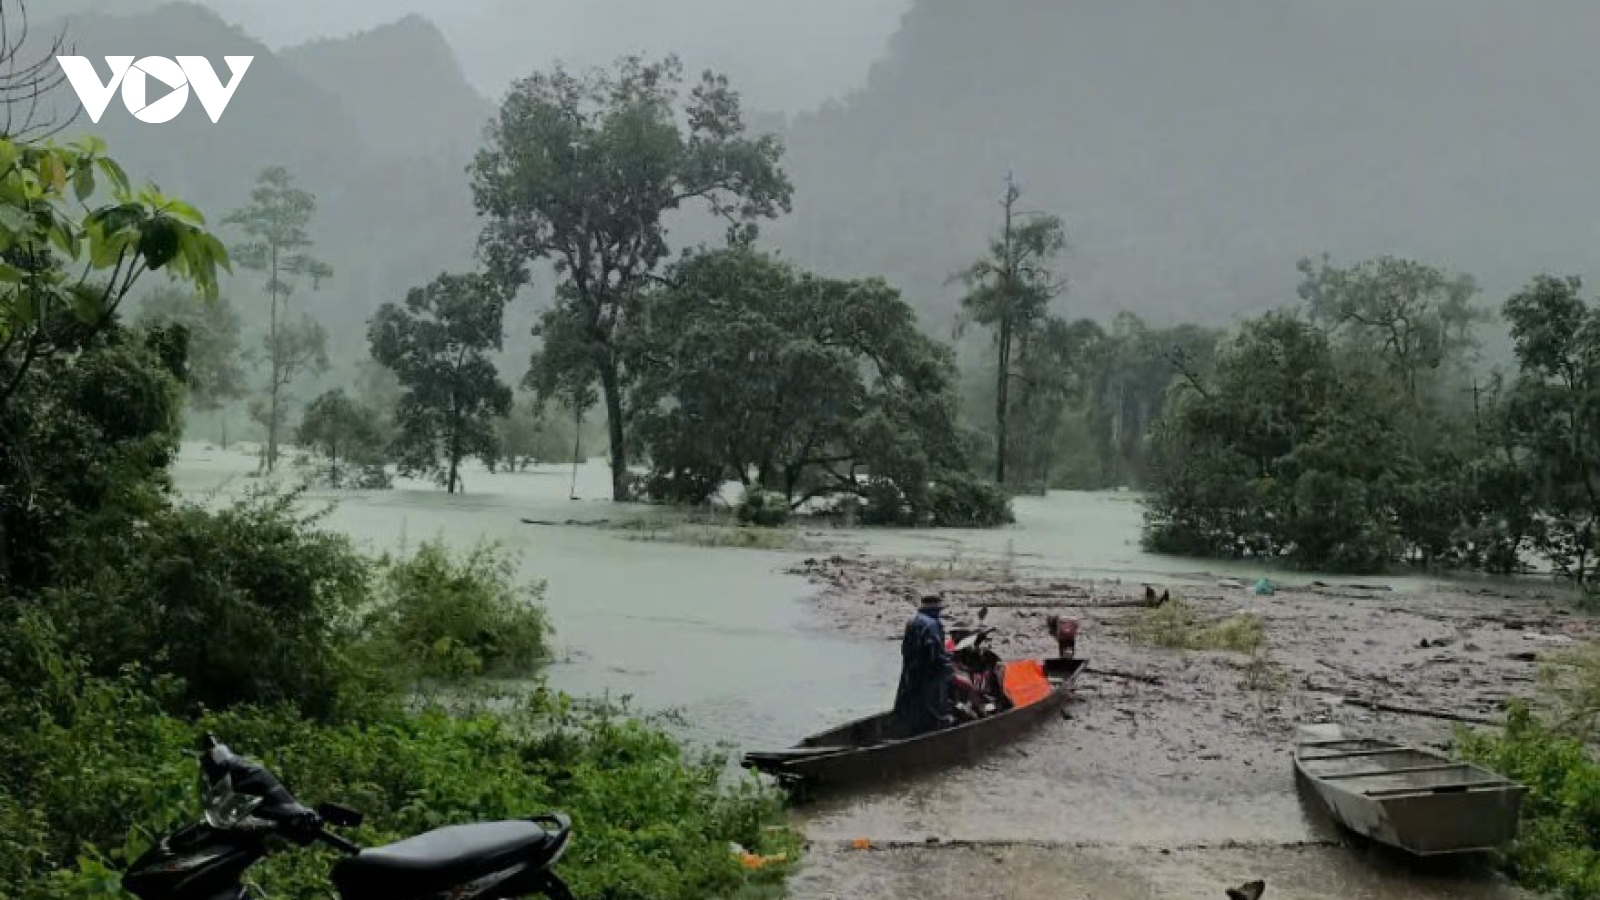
1415 800
873 748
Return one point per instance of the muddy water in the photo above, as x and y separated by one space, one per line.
720 636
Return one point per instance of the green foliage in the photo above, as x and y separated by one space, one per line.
583 172
764 509
92 771
278 244
1553 416
249 604
962 500
438 347
84 447
1557 849
459 619
750 369
342 429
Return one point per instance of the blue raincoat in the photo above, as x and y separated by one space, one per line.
922 702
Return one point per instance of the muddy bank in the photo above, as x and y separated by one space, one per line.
1191 756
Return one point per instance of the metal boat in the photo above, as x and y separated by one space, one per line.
1415 800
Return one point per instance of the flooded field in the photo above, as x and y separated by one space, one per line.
1177 789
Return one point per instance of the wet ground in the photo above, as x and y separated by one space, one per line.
1173 776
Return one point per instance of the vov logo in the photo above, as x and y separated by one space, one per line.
134 79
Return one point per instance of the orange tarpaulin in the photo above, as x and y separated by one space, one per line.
1025 682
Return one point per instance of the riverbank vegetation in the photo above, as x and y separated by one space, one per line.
132 622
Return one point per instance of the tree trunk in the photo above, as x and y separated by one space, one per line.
1002 412
276 352
612 388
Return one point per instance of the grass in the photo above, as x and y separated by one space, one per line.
710 532
1174 626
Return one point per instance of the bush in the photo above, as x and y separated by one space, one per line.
248 605
884 505
764 509
1557 849
101 772
962 500
461 619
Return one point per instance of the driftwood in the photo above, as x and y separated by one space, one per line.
1131 676
1379 706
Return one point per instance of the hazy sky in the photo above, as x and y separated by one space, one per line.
783 54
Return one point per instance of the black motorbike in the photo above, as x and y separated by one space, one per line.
249 814
980 689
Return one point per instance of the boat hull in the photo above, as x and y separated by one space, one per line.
1414 800
869 749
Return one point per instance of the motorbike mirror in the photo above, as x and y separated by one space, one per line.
340 816
208 742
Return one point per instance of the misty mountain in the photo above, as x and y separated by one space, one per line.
1197 149
379 125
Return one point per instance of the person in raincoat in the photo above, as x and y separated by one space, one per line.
922 702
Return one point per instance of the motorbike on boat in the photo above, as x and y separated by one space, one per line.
979 688
249 815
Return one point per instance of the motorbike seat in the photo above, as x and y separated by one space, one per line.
436 861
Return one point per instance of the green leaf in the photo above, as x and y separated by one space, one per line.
83 183
65 238
16 220
159 241
184 211
113 171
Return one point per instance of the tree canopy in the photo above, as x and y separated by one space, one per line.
582 172
752 370
438 346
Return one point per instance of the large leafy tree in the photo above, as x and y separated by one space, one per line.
582 172
1554 414
278 244
438 345
753 370
1009 291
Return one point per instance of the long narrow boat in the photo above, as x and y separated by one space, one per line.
873 748
1415 800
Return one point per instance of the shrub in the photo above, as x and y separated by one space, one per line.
962 500
884 504
105 771
251 604
457 619
764 509
1557 849
1174 626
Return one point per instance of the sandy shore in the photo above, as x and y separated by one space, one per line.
1176 781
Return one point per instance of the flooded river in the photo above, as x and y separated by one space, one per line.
1127 800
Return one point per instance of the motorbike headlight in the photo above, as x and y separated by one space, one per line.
226 809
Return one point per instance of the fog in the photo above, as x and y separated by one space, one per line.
786 55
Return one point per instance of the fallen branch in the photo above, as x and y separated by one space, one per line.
1131 676
1378 706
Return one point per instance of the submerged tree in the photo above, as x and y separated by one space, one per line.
582 172
1010 291
343 430
802 386
438 345
279 245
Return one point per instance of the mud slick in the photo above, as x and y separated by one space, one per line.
1170 775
